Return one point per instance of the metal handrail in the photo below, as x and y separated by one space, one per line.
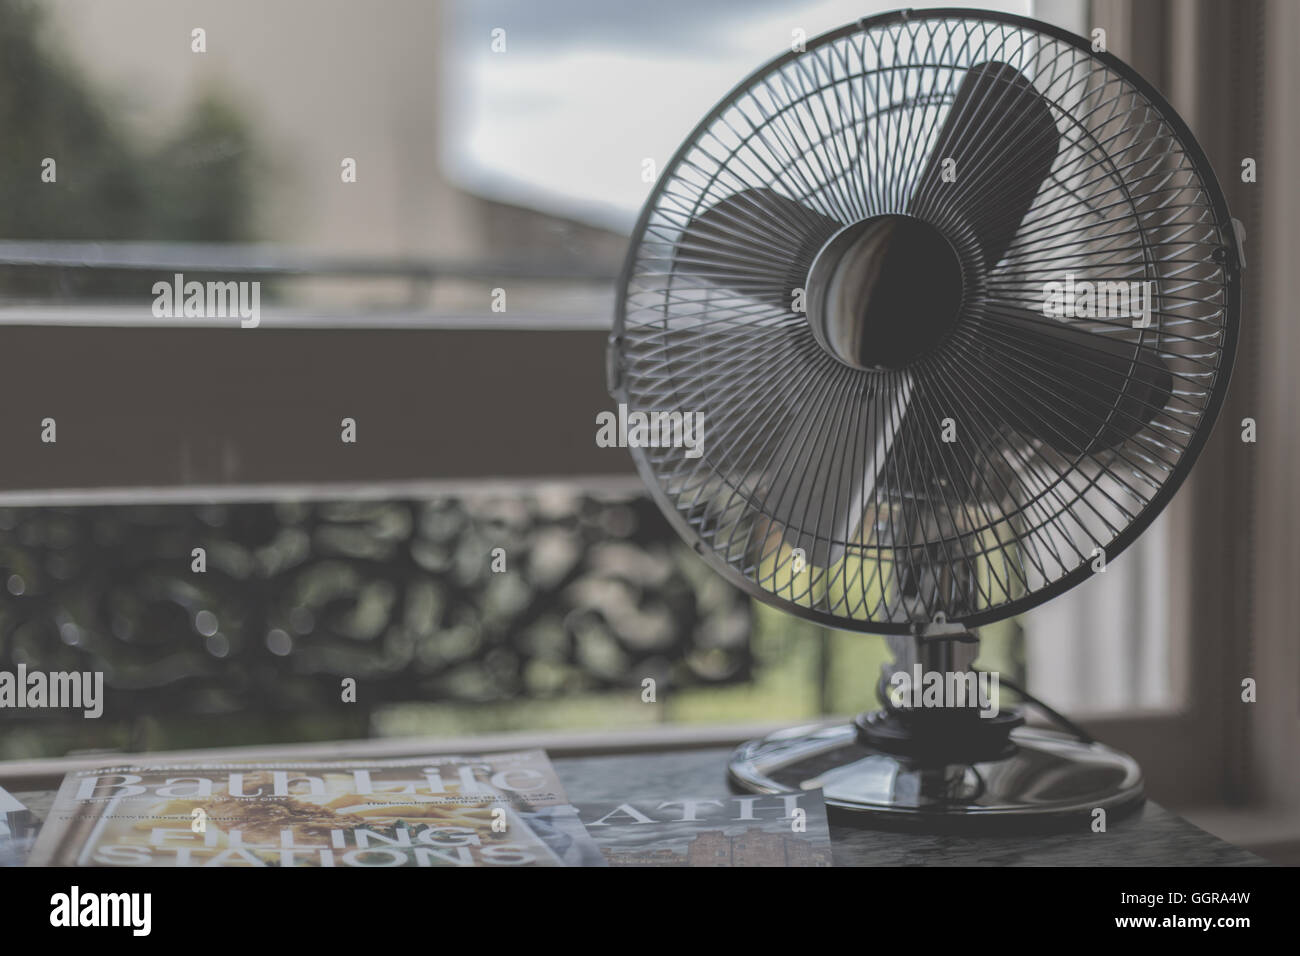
273 260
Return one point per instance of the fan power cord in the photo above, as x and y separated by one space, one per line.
1055 715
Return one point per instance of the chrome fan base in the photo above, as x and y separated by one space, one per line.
1047 782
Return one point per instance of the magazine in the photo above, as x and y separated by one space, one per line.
16 827
777 830
491 810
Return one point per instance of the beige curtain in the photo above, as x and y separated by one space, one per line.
1230 68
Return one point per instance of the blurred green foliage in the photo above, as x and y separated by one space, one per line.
193 183
803 673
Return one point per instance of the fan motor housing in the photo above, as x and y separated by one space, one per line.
885 291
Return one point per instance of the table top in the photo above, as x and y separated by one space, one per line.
1150 837
696 768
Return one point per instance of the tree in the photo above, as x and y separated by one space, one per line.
197 185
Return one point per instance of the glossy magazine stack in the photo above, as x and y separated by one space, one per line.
505 809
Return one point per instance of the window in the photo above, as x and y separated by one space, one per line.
436 227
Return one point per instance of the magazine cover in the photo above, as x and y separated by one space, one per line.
493 810
780 830
15 829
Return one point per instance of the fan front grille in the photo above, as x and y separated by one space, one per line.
1047 429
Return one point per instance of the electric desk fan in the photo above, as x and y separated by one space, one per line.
899 273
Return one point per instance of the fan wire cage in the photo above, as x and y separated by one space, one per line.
883 476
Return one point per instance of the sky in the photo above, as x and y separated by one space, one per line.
587 90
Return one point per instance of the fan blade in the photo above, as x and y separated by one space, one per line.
755 243
1003 140
1078 391
823 516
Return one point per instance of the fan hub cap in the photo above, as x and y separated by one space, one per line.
884 291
